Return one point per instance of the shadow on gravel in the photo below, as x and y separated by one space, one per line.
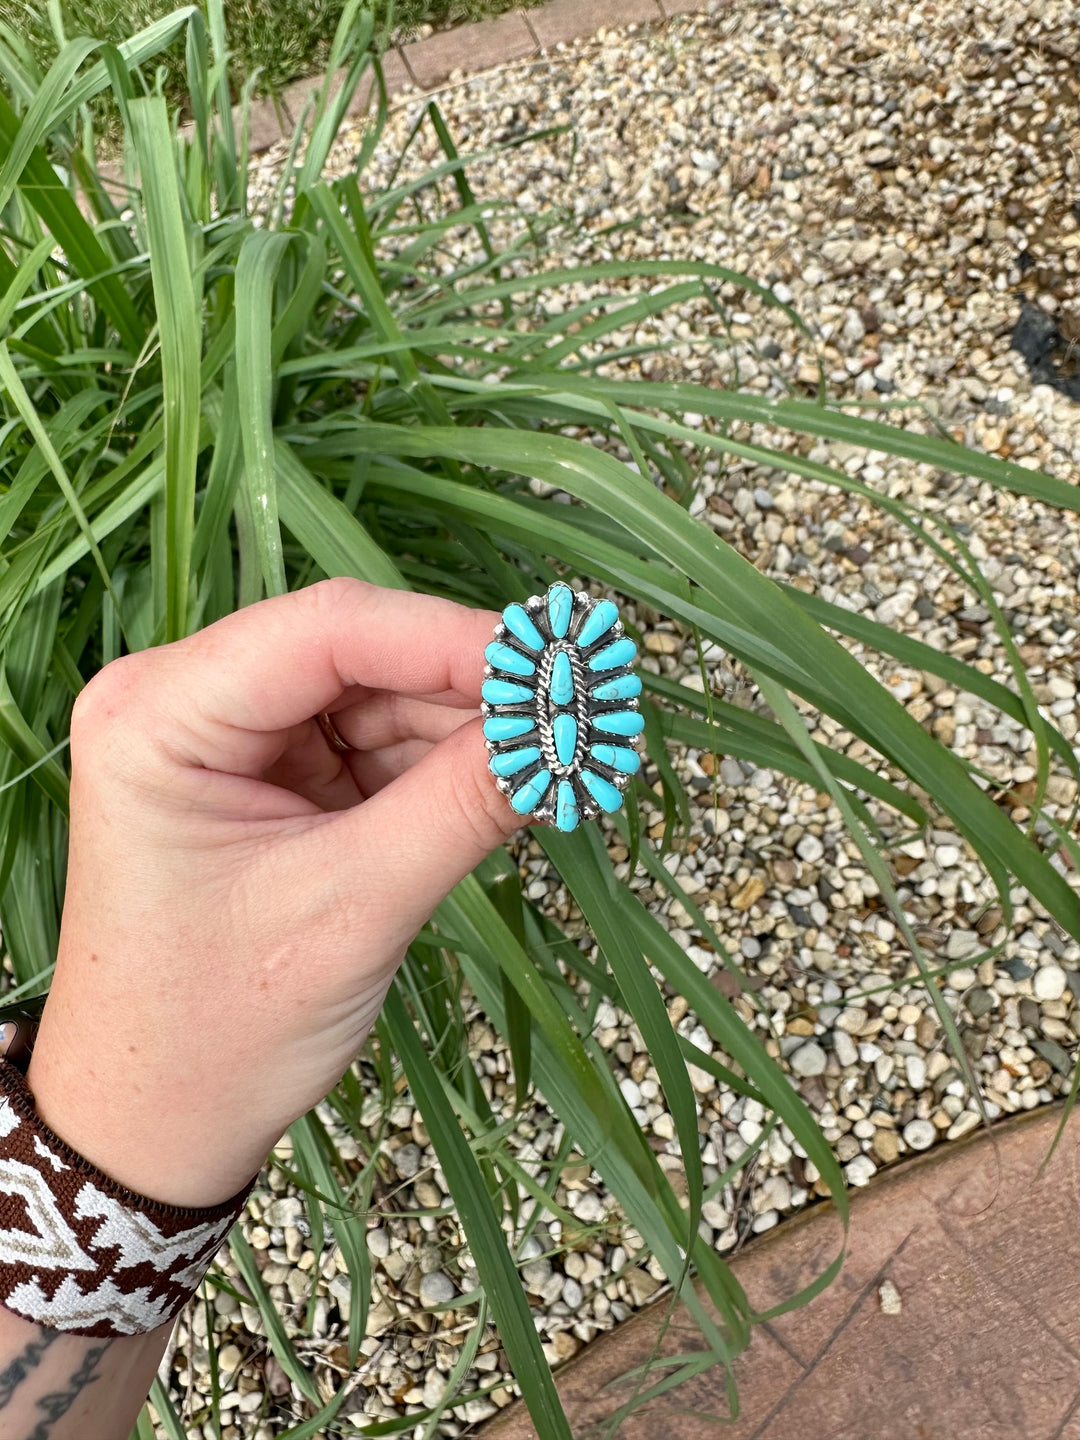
1052 358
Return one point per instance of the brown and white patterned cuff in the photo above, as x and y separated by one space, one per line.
80 1253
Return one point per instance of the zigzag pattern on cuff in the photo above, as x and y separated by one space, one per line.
80 1253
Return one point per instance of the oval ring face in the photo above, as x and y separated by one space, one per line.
562 722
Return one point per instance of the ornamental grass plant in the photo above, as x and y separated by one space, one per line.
202 404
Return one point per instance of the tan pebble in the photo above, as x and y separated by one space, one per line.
748 893
926 1031
229 1357
800 1025
964 1123
886 1146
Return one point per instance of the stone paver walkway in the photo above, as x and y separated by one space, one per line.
984 1256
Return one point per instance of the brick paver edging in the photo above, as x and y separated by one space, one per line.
428 64
955 1313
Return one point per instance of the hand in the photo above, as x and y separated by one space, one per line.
239 895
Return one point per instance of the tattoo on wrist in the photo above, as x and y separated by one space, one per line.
59 1402
28 1358
53 1405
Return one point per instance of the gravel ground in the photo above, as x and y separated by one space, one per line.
901 175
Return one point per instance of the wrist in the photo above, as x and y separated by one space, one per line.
150 1132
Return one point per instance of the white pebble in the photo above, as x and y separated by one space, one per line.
1049 982
808 1060
915 1066
436 1289
919 1134
966 1121
845 1049
860 1171
891 1303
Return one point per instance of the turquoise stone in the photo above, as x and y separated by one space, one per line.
566 811
531 793
625 687
505 657
622 652
561 685
508 727
619 722
511 761
560 608
597 623
565 730
505 692
619 757
517 620
606 795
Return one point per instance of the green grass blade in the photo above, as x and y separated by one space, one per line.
334 538
506 896
170 1420
583 862
40 117
18 736
481 1224
791 719
9 377
181 347
43 189
260 255
809 418
913 652
276 1335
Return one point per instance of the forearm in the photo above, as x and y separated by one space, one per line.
80 1252
68 1387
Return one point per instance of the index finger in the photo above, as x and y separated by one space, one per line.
276 663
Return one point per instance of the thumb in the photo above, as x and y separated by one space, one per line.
431 826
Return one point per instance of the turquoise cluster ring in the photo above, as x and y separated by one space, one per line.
560 703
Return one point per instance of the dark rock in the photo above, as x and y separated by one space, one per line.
814 1092
1050 359
979 1002
1016 969
1029 1013
1053 1054
974 1042
924 607
858 555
